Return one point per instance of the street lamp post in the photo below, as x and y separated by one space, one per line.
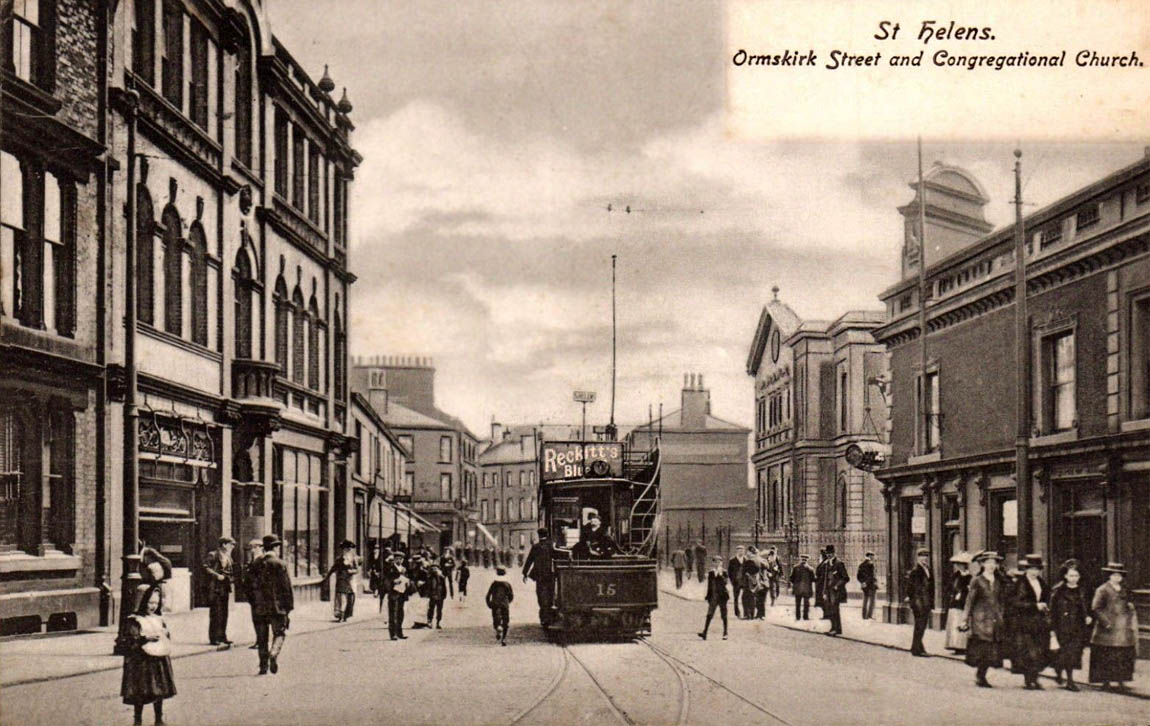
792 541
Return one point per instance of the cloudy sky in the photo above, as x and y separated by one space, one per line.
494 136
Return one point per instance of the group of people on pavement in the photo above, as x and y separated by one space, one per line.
995 616
753 578
396 578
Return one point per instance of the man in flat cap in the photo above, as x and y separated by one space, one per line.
272 601
219 568
920 595
802 587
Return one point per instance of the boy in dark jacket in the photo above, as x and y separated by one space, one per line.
436 593
499 597
717 595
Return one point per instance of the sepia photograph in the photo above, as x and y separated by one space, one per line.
525 362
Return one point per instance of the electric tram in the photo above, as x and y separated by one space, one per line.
600 504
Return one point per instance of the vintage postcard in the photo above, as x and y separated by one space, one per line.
546 362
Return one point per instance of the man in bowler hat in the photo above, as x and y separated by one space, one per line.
920 587
220 570
272 603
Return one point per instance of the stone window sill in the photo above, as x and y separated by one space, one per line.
925 458
1139 425
23 562
1062 437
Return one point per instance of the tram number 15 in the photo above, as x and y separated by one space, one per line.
606 589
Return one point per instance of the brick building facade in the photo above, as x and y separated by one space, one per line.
703 484
950 483
52 183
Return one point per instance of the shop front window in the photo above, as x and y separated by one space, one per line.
300 510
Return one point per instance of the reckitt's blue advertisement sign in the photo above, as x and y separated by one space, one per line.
575 459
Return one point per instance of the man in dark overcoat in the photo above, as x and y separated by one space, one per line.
273 601
701 560
835 579
678 564
538 567
220 571
735 575
802 587
869 584
920 595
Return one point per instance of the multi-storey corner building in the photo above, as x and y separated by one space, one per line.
818 391
509 491
442 471
52 183
228 212
950 483
703 485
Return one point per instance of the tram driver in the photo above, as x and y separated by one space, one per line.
594 541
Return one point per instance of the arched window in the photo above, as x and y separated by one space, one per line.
313 344
841 503
199 281
242 279
244 102
297 336
280 298
145 241
173 272
340 345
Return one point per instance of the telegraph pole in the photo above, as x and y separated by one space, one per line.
611 426
1022 369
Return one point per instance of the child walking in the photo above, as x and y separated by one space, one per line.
148 665
499 597
436 589
464 576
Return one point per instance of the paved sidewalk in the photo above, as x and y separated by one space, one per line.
25 660
43 658
874 632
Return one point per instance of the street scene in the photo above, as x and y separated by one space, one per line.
391 362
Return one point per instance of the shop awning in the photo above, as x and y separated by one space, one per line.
418 523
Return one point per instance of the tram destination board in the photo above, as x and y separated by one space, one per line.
577 459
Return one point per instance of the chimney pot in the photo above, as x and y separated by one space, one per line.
684 380
701 382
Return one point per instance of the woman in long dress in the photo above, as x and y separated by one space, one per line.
956 602
1029 606
1070 619
982 618
1113 645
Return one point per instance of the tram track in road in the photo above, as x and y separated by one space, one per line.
669 658
562 675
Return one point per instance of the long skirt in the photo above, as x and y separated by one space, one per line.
1030 651
1069 653
982 653
147 678
955 638
1111 663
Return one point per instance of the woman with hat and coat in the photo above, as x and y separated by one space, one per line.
956 602
982 618
1030 612
1070 620
1113 645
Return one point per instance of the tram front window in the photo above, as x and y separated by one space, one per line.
595 540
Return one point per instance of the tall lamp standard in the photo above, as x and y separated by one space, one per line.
792 541
128 103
